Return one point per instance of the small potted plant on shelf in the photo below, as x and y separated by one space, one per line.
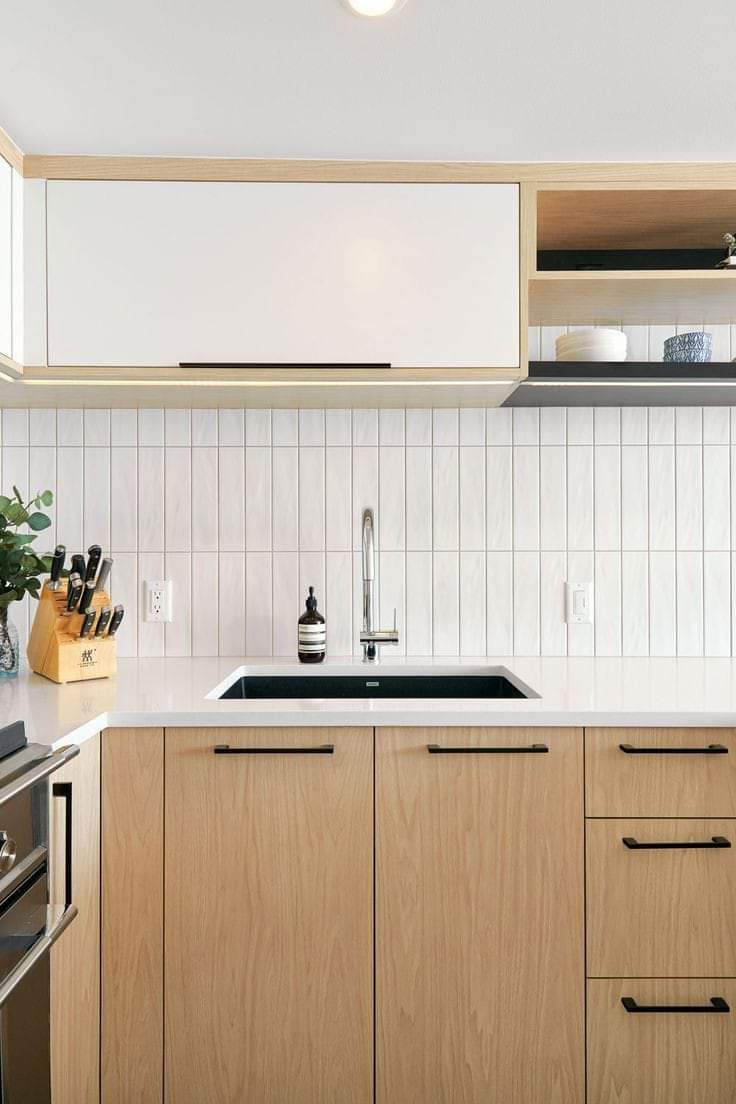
20 566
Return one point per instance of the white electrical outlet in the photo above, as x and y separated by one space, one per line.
579 604
158 600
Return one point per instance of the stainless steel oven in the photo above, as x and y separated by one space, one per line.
29 922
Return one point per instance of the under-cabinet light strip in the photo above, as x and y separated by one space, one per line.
260 383
631 383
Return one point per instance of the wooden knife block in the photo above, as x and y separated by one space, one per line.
54 649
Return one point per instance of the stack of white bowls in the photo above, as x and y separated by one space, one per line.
596 343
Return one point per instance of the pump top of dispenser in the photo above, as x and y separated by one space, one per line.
311 600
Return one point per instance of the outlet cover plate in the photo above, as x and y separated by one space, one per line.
158 600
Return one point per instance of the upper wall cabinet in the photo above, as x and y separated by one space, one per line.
6 258
156 273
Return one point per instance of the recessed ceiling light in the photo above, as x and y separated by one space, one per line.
372 8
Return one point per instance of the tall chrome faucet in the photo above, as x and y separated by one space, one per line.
370 638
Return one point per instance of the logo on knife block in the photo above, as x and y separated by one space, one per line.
88 657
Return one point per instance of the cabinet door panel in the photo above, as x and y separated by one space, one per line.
132 915
661 1058
479 921
654 777
154 273
269 919
75 959
6 255
661 912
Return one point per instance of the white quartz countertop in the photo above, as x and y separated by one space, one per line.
572 691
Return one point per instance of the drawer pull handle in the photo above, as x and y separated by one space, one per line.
711 749
531 749
713 842
717 1004
226 749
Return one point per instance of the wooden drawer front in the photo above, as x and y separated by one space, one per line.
661 782
661 1058
661 912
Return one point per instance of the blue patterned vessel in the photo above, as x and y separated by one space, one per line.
689 348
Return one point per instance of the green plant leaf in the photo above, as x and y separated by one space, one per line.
38 521
47 498
16 513
17 494
4 502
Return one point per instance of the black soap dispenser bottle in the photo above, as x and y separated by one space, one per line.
312 632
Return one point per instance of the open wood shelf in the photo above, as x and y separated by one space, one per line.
633 298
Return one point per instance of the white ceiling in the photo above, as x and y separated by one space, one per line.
456 79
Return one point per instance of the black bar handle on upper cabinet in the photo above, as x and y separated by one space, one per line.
714 843
64 791
717 1004
711 749
530 749
321 749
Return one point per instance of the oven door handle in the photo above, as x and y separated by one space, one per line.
38 773
37 951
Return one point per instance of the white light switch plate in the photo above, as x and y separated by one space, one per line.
579 604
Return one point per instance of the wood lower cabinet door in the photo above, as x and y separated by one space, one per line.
269 916
132 916
658 1057
479 916
658 910
75 959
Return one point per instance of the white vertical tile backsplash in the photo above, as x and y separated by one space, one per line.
482 516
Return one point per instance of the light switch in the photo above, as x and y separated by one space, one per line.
579 604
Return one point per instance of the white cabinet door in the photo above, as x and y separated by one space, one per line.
154 273
6 258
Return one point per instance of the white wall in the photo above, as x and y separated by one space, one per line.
455 79
482 516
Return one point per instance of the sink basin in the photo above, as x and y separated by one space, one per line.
381 683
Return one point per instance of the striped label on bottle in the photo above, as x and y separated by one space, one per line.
312 638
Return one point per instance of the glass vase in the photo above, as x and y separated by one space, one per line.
9 645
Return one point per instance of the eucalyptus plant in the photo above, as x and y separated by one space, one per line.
20 566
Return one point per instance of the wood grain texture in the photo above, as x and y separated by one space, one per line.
269 919
660 1059
479 918
12 154
660 913
132 915
613 298
65 167
634 219
621 785
75 959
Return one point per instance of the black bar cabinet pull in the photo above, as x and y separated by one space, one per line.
226 749
711 749
64 791
531 749
717 1004
713 842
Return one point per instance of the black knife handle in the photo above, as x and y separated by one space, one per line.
117 617
78 566
717 1004
94 552
57 563
84 601
89 620
74 591
104 620
680 845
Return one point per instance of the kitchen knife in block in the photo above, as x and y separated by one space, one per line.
57 565
104 575
56 648
93 558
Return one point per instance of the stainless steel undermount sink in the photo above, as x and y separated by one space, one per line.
249 684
